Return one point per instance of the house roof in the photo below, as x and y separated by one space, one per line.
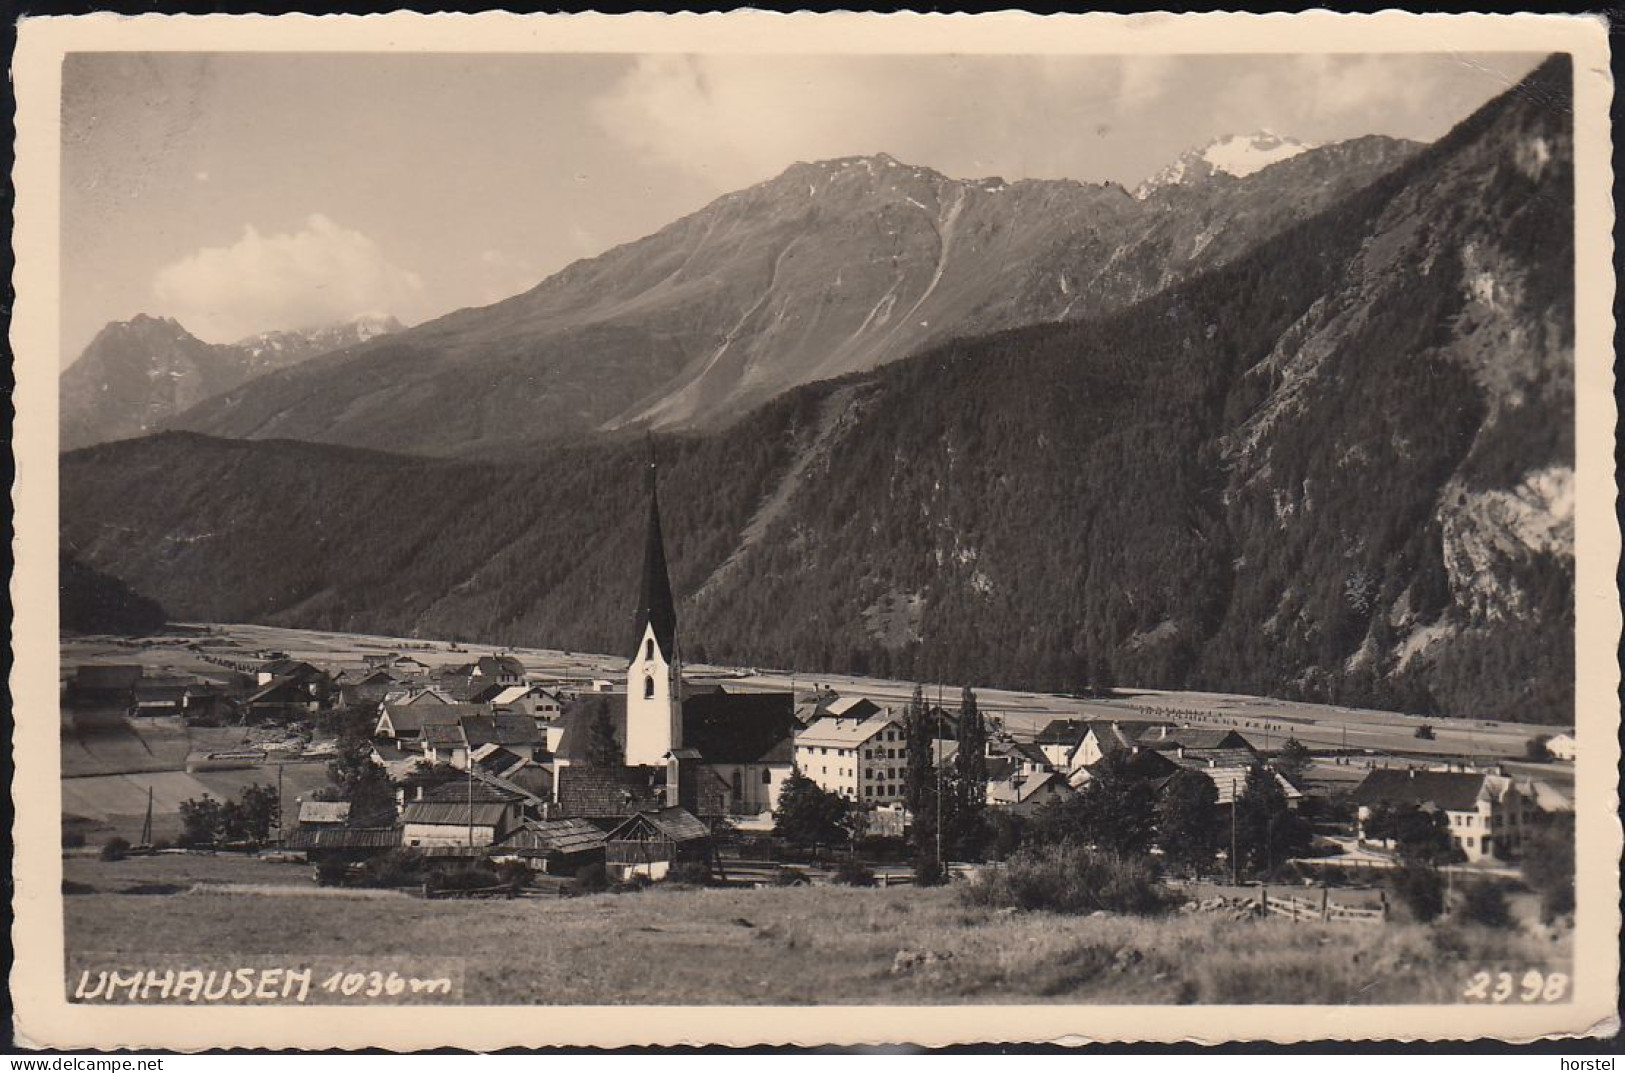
1453 791
837 733
850 707
541 837
170 694
741 728
413 718
577 718
607 792
324 811
1199 758
1166 737
455 813
497 666
444 736
1062 732
309 838
107 675
280 691
674 824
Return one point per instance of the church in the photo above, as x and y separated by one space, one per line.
712 750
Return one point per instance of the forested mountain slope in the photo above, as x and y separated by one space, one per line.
1339 467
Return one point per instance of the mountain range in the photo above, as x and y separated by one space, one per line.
831 268
137 374
1335 461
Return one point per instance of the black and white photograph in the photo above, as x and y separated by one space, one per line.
782 524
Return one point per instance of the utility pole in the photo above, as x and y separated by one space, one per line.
281 823
468 762
1235 798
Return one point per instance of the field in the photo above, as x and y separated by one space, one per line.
805 945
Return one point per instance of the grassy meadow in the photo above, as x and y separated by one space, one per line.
804 945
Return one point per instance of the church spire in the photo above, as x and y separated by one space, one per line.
655 606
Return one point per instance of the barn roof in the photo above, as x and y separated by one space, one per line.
674 824
455 813
107 675
541 837
1453 791
604 793
324 811
309 838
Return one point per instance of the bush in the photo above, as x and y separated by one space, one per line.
1067 878
1486 904
397 868
592 877
516 874
115 849
883 848
690 873
474 875
1422 891
333 873
790 877
852 873
73 839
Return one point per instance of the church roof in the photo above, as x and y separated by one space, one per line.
741 728
655 605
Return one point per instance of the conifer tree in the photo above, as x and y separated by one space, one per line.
970 780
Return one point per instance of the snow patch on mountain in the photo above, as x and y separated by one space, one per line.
1237 155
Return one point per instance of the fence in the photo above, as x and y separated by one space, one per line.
1311 905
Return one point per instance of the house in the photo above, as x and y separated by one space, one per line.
283 700
367 687
539 703
557 847
649 843
402 720
1561 746
1104 738
102 686
324 813
1059 739
444 743
398 664
314 681
322 843
862 759
1009 786
459 814
159 698
516 733
1486 814
499 670
607 794
1027 757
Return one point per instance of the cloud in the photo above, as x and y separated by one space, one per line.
323 274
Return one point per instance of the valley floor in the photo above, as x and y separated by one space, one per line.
779 946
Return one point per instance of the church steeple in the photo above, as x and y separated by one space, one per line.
656 608
654 676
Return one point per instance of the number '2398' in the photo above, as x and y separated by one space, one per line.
1504 986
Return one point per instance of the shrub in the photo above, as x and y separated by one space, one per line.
852 873
884 848
473 875
516 874
1422 891
1067 878
332 873
1486 904
592 877
397 868
789 877
690 873
115 849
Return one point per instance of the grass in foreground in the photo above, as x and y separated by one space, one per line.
807 945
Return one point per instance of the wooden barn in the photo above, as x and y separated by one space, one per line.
557 847
649 843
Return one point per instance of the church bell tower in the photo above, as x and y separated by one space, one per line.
654 678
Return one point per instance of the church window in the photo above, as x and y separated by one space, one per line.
648 687
767 776
649 648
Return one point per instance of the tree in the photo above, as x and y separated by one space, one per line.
1268 832
923 799
1421 889
258 810
1187 820
807 814
969 833
201 821
1114 811
1548 865
603 748
362 781
1419 837
1295 758
1535 750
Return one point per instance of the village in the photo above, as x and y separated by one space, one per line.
485 777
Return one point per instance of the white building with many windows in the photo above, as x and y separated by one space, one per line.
863 760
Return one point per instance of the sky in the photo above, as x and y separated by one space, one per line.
245 192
